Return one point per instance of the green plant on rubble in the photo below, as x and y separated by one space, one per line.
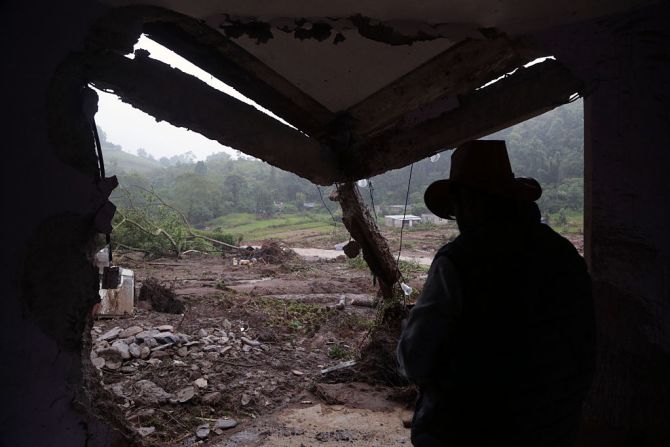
340 352
294 316
357 263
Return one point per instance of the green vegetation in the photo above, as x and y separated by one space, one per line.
253 228
252 200
340 352
567 221
299 318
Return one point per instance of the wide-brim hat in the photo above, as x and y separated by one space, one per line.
482 165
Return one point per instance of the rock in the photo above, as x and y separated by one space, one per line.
225 349
182 352
146 431
128 369
123 349
211 348
120 389
145 351
98 362
202 431
130 332
146 334
224 424
159 354
154 362
202 333
113 364
150 393
250 342
245 399
127 340
265 348
110 334
185 394
297 372
135 350
201 382
227 325
150 342
165 338
183 338
165 328
212 398
246 348
178 363
101 346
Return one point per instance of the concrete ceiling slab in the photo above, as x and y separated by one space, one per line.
339 76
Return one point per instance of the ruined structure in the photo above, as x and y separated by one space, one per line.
368 87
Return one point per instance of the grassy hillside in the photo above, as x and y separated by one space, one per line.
253 228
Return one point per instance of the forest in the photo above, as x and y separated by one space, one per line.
548 148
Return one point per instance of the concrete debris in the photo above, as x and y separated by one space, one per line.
201 382
224 424
202 431
122 349
98 362
110 334
130 332
185 394
250 342
148 392
165 328
135 350
342 365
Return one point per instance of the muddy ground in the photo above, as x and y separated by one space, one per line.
249 347
243 364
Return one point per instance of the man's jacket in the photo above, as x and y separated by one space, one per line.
501 340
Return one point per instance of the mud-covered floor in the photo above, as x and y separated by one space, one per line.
249 348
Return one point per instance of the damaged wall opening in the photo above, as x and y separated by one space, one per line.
247 334
220 337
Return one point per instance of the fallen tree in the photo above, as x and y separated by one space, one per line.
160 228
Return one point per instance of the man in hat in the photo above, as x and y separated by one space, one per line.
501 340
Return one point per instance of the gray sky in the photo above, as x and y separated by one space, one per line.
132 128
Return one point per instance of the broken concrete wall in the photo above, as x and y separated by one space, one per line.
627 68
49 201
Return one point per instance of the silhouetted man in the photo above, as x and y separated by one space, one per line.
501 341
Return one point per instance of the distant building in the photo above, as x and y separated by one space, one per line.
309 205
396 220
432 218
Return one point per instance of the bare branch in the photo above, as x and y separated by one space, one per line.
185 220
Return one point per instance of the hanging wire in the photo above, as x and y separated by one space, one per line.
326 206
404 213
372 198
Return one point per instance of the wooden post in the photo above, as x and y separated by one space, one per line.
363 228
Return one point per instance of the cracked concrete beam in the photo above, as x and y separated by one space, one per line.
458 70
230 63
184 101
526 93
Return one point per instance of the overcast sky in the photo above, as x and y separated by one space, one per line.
132 129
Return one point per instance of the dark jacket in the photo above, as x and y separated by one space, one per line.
501 341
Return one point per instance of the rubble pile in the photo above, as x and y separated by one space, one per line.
213 372
273 252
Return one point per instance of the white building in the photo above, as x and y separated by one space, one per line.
396 220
